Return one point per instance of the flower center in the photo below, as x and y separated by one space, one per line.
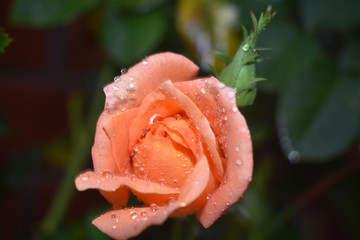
162 154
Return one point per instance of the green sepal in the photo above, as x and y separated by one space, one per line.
240 73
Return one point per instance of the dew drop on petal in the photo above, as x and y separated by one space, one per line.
116 79
145 62
84 178
123 70
220 85
182 204
114 226
133 215
235 109
107 174
231 94
153 207
113 215
203 90
237 148
239 162
115 88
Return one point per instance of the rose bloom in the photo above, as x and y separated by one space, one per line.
177 142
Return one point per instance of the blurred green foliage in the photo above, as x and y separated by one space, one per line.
5 40
311 101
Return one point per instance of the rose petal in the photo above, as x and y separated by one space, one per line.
129 89
108 182
238 150
126 223
199 120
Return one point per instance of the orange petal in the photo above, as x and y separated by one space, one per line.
236 144
199 120
108 182
128 90
126 223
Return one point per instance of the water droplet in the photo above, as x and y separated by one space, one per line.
203 90
227 203
113 215
177 116
143 214
131 79
107 174
145 62
196 182
133 215
235 109
123 70
116 79
136 148
239 162
117 220
175 180
123 99
162 181
155 118
133 178
220 85
215 203
84 178
209 212
208 196
245 48
182 204
157 150
231 94
237 148
115 88
153 207
131 86
178 155
250 179
114 226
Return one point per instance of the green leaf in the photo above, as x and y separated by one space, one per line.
240 73
44 13
296 53
319 113
339 15
5 40
129 38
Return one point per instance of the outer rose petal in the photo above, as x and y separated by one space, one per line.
220 105
108 158
125 223
129 89
107 182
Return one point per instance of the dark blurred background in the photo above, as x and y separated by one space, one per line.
305 122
